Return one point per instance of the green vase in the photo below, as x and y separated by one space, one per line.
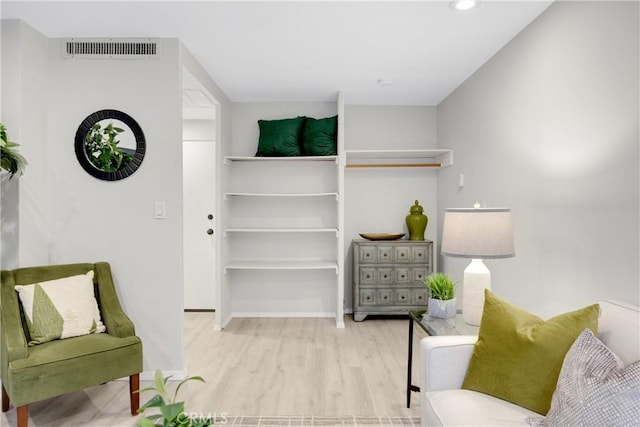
416 222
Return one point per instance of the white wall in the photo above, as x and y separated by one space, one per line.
93 220
378 200
223 142
549 127
199 130
24 82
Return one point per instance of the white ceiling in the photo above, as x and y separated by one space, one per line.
307 50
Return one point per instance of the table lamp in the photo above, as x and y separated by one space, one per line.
477 233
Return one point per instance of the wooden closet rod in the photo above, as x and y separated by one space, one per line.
394 165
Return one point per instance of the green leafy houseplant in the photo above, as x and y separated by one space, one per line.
10 159
171 412
441 286
102 148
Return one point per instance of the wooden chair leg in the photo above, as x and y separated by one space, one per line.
23 415
5 400
134 397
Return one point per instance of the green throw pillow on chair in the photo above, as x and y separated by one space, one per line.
518 356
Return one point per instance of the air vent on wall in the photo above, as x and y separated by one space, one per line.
110 48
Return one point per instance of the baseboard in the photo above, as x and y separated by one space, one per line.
284 314
175 375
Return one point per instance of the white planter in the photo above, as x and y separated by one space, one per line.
443 309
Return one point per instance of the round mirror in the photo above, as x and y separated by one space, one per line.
110 145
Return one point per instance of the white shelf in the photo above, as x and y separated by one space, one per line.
398 158
281 265
232 159
281 230
301 195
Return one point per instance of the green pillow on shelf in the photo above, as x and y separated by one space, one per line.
320 136
279 138
518 356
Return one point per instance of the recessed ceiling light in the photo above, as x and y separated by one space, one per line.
385 82
464 4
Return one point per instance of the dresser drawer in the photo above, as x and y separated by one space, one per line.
368 275
402 275
385 297
419 274
392 276
368 297
367 254
419 296
420 254
385 275
404 297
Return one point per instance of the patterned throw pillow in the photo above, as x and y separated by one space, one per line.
61 308
594 389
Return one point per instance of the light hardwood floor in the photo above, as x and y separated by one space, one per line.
293 366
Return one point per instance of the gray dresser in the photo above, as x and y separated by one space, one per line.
388 276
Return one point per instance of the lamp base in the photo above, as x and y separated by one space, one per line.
477 278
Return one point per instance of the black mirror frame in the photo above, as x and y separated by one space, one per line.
127 169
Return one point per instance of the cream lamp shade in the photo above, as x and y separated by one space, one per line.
477 233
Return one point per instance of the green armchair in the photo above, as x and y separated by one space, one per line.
33 373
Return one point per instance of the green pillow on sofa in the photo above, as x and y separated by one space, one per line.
279 138
320 136
518 356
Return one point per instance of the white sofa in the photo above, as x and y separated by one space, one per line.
444 360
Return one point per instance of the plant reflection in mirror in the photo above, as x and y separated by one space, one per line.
102 148
10 159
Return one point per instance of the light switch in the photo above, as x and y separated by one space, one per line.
461 180
160 210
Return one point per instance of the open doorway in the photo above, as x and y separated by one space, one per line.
199 138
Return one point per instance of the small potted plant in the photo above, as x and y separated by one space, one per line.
442 300
171 411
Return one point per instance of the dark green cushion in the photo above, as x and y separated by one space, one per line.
320 136
279 138
518 356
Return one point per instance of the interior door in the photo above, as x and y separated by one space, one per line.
198 218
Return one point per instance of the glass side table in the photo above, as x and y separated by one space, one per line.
433 326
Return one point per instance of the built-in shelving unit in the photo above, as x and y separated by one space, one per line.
282 237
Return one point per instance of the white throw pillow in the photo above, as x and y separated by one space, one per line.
61 308
594 388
